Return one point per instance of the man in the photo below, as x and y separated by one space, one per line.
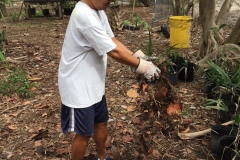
82 71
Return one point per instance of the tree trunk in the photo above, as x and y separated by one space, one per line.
3 11
225 8
206 14
212 45
234 37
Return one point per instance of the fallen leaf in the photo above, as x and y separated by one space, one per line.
161 94
37 58
126 138
37 143
12 127
144 87
128 100
123 106
205 142
150 151
131 108
44 114
112 99
136 86
136 120
185 130
174 109
155 153
26 103
119 124
132 93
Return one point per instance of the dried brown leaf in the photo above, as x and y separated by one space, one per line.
131 108
136 120
136 86
12 127
126 138
37 143
132 93
155 153
119 124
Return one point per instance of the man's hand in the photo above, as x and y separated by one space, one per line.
140 54
148 69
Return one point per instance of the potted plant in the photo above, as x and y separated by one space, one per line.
171 73
218 131
68 7
186 71
136 25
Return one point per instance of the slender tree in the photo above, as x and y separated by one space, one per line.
212 43
3 11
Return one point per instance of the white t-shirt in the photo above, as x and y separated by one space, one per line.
82 68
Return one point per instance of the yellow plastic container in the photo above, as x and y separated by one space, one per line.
180 31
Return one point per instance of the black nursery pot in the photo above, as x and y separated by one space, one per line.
187 74
130 27
172 77
33 11
226 146
46 12
67 11
217 132
225 116
209 89
56 12
233 154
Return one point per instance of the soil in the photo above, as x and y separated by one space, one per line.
140 126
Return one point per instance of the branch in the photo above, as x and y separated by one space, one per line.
200 133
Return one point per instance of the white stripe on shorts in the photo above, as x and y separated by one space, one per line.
72 121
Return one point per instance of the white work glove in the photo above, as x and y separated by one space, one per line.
140 54
148 69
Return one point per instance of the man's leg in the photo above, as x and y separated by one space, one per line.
79 145
100 137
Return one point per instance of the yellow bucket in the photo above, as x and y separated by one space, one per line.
180 31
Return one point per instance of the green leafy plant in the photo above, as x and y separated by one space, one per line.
150 44
38 14
14 16
15 82
216 104
6 2
227 82
137 21
2 57
170 66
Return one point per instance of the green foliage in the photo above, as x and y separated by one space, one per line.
13 16
137 21
15 82
39 14
150 44
7 2
68 4
216 104
2 57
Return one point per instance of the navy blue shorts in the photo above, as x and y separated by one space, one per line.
82 120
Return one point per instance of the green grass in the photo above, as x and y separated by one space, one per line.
15 82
